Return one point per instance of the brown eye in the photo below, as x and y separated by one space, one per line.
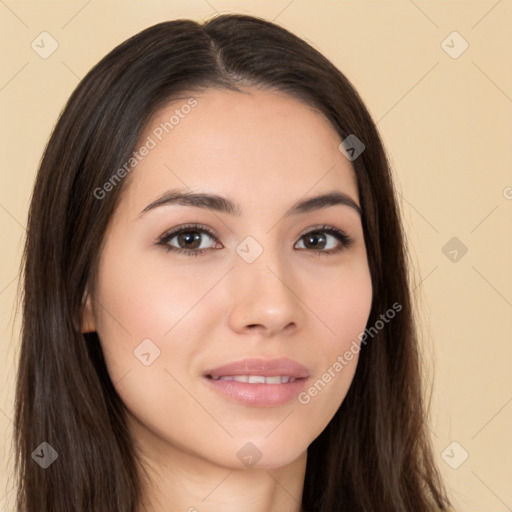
319 240
189 239
315 240
192 240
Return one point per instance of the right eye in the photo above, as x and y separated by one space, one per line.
187 240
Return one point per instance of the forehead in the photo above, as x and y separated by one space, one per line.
258 146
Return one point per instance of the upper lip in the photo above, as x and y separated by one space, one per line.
264 367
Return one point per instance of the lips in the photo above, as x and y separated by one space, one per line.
282 367
258 382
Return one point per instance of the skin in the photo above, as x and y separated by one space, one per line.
264 150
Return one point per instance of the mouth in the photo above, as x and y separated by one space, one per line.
256 379
259 382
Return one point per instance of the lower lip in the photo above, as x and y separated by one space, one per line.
258 395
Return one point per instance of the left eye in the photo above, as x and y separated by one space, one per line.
316 239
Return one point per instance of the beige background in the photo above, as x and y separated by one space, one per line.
447 126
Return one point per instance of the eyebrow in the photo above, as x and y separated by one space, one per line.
225 205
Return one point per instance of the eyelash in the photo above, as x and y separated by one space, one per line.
345 240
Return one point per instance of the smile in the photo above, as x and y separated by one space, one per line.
257 379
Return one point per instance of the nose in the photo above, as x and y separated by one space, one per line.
265 297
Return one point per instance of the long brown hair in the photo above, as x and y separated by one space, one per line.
374 455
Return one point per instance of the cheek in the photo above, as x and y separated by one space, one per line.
342 306
341 300
148 322
145 297
151 318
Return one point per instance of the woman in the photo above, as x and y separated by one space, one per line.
216 305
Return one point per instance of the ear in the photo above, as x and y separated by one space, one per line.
88 324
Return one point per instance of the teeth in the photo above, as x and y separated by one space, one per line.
258 379
254 379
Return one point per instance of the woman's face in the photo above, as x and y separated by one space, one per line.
256 280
